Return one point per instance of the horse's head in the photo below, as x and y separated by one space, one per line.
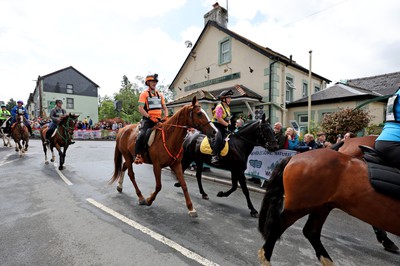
68 122
199 119
261 133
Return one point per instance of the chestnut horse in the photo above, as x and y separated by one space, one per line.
61 138
166 150
20 134
241 144
329 179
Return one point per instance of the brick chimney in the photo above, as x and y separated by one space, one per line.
217 14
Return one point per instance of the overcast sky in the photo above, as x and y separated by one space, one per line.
105 40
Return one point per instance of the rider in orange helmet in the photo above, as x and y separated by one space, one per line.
152 107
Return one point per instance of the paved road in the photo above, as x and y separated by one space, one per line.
45 220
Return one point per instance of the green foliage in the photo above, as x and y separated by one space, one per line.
11 103
345 120
129 95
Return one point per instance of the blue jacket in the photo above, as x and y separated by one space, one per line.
17 110
293 143
391 130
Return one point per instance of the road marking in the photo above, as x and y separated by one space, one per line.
184 251
63 177
4 161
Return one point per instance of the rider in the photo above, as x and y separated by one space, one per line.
388 143
20 109
151 106
222 117
4 115
55 115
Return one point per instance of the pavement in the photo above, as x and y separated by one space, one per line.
224 177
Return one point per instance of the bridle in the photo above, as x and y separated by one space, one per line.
180 126
68 130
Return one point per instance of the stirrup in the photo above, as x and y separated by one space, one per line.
138 159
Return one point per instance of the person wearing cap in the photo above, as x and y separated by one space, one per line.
321 139
20 109
4 115
221 119
153 109
55 114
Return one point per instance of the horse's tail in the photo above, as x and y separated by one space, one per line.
117 164
272 204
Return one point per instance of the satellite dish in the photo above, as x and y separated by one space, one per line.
188 44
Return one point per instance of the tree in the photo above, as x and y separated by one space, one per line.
10 104
106 108
345 120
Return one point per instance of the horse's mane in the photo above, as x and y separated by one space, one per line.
65 117
175 117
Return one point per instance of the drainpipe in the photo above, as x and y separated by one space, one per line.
270 88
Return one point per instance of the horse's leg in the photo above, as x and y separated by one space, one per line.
242 182
62 153
234 179
177 169
382 238
131 174
312 231
275 228
45 153
27 144
199 171
121 178
157 175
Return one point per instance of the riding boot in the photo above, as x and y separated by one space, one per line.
48 136
215 159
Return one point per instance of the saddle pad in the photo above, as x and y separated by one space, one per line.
385 179
151 138
205 147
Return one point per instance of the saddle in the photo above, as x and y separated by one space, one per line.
205 147
384 178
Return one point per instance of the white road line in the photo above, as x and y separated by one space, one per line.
63 177
184 251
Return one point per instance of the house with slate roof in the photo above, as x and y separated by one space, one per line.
262 80
348 94
78 93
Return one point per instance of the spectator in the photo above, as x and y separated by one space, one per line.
307 144
292 138
279 136
239 124
114 126
321 139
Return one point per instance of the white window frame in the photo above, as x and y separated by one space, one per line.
70 88
70 103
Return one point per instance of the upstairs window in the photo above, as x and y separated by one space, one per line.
317 89
305 89
289 89
225 52
70 103
70 88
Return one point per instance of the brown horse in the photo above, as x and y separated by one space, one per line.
329 180
60 139
20 134
166 149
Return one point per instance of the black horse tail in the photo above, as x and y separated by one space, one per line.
272 205
117 164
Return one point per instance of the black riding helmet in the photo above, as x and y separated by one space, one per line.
225 94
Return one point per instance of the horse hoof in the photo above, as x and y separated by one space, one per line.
254 214
220 194
46 162
177 184
205 197
60 167
52 160
142 202
193 213
390 246
261 256
119 189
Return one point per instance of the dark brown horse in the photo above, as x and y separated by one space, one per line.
329 179
60 139
20 134
166 149
241 144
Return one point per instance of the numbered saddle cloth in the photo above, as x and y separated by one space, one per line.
205 147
